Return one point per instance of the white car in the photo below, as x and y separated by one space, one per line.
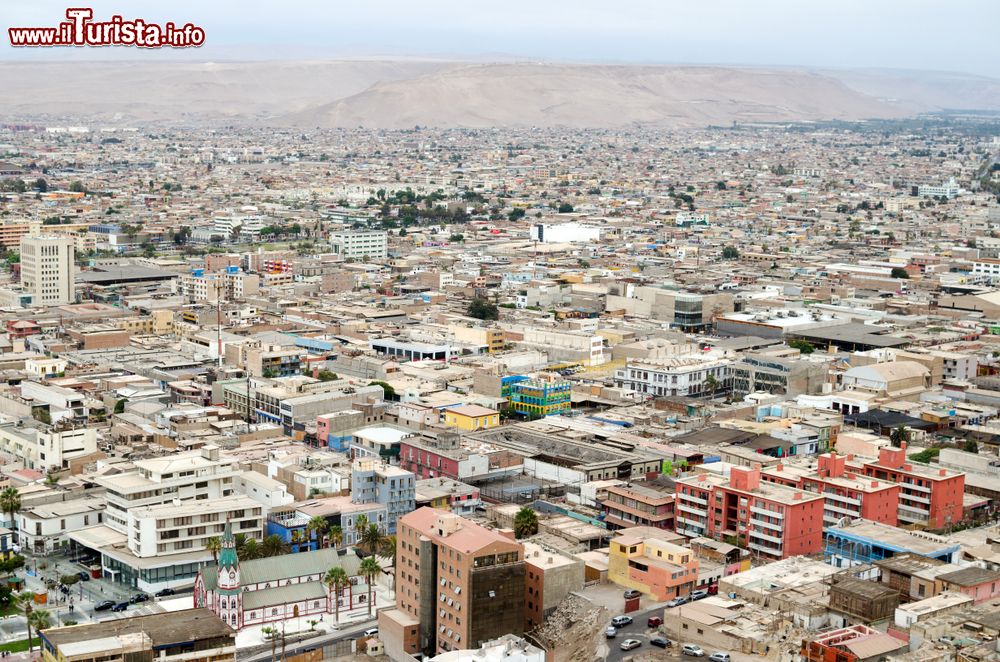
692 650
629 644
719 656
371 632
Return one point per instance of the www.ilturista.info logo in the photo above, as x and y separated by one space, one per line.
80 30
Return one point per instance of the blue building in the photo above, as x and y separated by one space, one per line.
860 542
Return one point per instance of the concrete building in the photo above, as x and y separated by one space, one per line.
773 520
564 233
373 481
48 268
640 558
44 529
549 577
360 245
456 583
631 505
682 376
184 527
45 447
861 542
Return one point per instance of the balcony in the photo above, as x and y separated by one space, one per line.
844 512
692 499
682 507
691 522
915 487
767 513
765 536
914 498
770 525
843 499
764 549
912 514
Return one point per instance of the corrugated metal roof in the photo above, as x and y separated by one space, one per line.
277 568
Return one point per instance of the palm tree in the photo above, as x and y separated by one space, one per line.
525 523
273 545
10 503
389 551
319 526
897 436
297 538
40 620
360 525
371 539
370 569
26 601
337 580
214 545
251 550
336 536
711 383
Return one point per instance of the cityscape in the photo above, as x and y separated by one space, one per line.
498 358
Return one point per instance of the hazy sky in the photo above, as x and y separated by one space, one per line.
957 35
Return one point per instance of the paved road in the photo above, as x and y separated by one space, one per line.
638 630
310 644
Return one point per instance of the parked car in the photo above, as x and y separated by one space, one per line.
610 632
121 606
164 592
619 621
629 644
632 593
84 576
138 597
104 606
371 632
692 650
719 656
661 642
677 602
699 594
654 622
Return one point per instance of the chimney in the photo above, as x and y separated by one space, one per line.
797 496
702 478
780 467
902 445
942 472
874 483
850 457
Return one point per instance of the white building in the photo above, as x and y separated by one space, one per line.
196 476
183 527
950 189
362 245
48 268
43 529
42 447
563 233
268 492
675 376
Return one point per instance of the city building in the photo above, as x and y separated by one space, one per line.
541 396
360 245
641 559
457 583
373 481
48 269
471 417
632 505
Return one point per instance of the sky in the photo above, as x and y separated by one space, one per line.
958 35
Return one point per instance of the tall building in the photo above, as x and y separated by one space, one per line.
457 584
774 521
48 268
373 481
361 244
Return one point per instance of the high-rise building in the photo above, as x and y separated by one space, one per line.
360 244
48 268
457 584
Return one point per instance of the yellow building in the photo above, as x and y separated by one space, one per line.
640 559
471 417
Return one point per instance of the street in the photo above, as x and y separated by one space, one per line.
638 630
312 644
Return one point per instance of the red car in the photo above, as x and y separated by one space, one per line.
654 622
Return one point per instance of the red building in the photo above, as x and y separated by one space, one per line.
770 519
846 492
633 505
930 496
22 328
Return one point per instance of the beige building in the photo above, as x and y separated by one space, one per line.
48 268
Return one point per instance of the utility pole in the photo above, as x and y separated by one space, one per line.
218 316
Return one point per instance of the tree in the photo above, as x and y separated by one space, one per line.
899 272
390 392
711 383
326 376
970 446
214 545
370 569
318 526
26 601
336 536
515 214
730 253
389 551
371 539
525 523
483 309
10 503
899 435
565 208
273 545
40 619
804 346
456 238
76 186
360 525
120 406
250 550
41 185
336 580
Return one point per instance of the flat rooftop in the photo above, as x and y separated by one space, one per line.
163 629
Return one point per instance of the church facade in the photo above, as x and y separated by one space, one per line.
277 588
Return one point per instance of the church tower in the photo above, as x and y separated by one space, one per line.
230 597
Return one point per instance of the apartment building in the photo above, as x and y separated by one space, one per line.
540 396
48 268
471 417
62 403
641 559
929 496
183 527
210 287
360 245
44 529
631 505
373 481
202 476
774 521
846 493
459 581
680 376
549 577
39 446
